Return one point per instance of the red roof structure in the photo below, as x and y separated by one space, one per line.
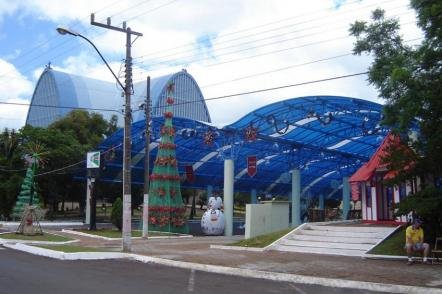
367 171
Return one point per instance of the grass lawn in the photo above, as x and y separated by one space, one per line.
112 233
72 248
45 237
262 240
394 245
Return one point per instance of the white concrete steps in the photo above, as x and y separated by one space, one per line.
330 251
350 234
335 245
343 228
349 240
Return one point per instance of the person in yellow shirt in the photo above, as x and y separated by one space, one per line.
414 241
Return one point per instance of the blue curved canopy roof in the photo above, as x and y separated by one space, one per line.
325 137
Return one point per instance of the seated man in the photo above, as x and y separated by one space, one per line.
414 241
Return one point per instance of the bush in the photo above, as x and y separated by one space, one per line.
117 213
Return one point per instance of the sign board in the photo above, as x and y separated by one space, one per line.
251 165
93 159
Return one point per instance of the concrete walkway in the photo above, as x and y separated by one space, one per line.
197 252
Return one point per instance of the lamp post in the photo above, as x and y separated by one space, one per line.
64 31
127 146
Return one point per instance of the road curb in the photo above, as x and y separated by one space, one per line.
65 256
246 273
21 241
119 239
237 248
291 278
43 224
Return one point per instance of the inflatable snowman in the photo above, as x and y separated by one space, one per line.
212 222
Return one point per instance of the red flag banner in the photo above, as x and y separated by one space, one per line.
251 165
189 173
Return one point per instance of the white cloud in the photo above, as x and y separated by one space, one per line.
14 88
246 25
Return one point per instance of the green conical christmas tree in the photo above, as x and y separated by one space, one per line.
166 207
28 193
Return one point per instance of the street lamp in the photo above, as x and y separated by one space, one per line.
127 145
64 31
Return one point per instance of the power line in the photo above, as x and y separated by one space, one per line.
86 30
278 69
44 43
271 36
12 170
208 99
288 86
269 89
61 107
267 24
74 164
248 29
217 98
177 62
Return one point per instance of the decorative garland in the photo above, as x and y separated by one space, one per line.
163 215
170 160
170 100
164 177
209 137
165 130
162 192
250 133
168 114
170 146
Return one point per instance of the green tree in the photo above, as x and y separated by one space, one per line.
112 126
66 141
12 170
410 80
87 128
117 213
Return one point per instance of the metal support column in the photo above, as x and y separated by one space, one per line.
345 197
296 197
253 198
228 195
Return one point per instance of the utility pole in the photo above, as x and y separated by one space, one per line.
146 164
127 197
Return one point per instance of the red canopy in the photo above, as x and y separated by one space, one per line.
367 170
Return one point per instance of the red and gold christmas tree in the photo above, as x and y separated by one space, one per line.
166 207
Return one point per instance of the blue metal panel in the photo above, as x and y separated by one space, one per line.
296 133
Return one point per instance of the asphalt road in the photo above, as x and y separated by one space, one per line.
26 273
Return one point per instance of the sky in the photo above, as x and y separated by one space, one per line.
229 47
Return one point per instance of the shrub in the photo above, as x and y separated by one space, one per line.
117 213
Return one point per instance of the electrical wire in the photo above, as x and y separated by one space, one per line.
60 107
74 164
310 13
216 98
66 41
283 34
348 3
176 61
